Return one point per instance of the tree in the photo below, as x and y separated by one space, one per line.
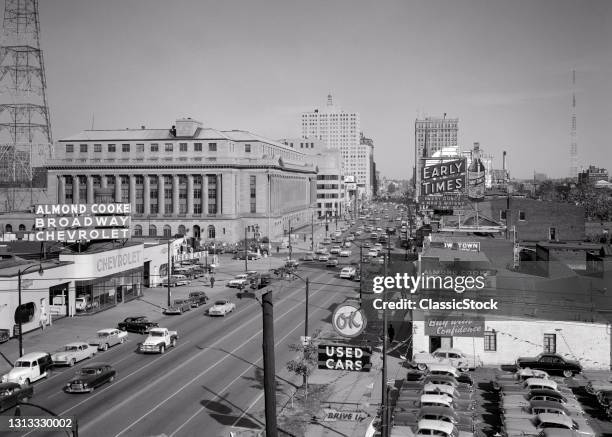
306 359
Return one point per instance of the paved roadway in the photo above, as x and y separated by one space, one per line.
211 381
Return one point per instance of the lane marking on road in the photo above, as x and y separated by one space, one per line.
203 372
240 376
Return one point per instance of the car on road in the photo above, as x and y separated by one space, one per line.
176 280
348 272
221 308
179 306
372 253
345 253
29 368
72 353
309 256
239 281
197 298
320 251
326 240
551 363
377 260
335 250
106 338
12 393
366 245
332 262
292 264
158 341
137 324
324 257
90 377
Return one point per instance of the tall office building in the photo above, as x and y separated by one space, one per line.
338 129
432 135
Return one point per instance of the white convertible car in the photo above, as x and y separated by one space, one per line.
221 308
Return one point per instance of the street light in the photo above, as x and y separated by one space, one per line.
19 309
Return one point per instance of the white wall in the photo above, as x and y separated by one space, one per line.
588 343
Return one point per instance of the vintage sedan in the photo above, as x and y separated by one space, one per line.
197 298
568 400
108 337
450 356
221 308
90 377
551 363
323 257
332 262
239 281
533 426
12 393
179 306
137 324
72 353
428 427
345 252
534 408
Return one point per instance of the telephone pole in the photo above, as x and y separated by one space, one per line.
268 363
383 399
168 279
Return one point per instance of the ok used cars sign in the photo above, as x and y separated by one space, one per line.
343 357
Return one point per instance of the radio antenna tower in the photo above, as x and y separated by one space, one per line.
573 144
25 127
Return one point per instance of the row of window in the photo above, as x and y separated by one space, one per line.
490 342
154 147
167 231
503 215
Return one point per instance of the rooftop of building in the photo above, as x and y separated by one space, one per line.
10 267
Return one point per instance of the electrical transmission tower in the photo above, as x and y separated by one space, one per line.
25 126
573 143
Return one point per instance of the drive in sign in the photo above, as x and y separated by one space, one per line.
343 357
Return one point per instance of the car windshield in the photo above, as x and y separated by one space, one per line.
22 364
220 302
156 334
103 334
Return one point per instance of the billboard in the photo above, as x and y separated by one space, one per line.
454 326
444 176
82 222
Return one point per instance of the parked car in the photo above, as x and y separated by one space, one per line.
29 368
221 308
158 341
12 393
239 281
72 353
440 428
179 306
292 264
551 363
521 427
332 262
253 255
533 409
5 335
450 356
137 324
108 337
90 377
197 298
348 272
324 257
309 256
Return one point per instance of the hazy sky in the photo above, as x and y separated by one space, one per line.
502 67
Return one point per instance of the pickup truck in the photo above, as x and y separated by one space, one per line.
158 341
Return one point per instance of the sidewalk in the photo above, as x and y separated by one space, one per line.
150 304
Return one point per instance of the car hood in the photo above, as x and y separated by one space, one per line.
82 379
153 340
16 372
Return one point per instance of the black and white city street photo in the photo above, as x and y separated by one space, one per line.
334 218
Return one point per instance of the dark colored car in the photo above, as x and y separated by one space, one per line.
550 363
197 298
90 377
179 306
260 280
138 324
292 264
545 394
12 393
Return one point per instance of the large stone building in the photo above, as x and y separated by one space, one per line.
341 130
188 180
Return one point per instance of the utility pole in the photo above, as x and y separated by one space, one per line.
306 330
360 272
312 233
383 398
290 245
268 363
169 292
326 225
246 253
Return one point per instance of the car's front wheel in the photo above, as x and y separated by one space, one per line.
173 342
72 362
422 367
105 347
162 349
568 373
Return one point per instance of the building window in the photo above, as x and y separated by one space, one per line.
197 208
247 148
139 148
181 230
211 231
69 148
169 147
197 147
182 147
522 216
154 207
137 231
125 148
111 148
98 148
253 193
212 147
152 231
167 231
490 341
550 343
502 214
154 147
83 148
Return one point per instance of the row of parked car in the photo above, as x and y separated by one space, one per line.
601 389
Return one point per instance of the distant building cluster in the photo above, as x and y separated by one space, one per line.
593 175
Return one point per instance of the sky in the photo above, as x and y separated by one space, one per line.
503 67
